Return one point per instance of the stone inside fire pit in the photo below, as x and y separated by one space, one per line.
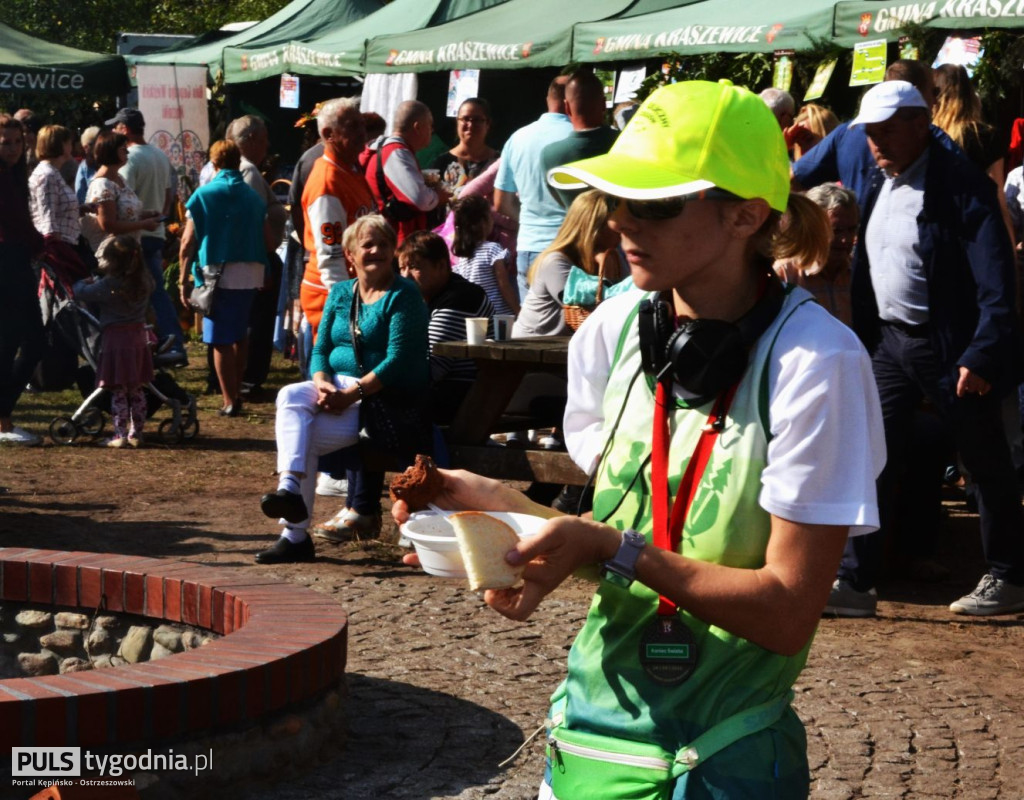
43 640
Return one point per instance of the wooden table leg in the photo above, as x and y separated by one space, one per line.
495 383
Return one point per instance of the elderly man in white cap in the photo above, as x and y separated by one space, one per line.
933 299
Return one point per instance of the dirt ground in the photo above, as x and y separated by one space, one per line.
914 704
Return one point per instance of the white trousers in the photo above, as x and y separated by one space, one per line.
304 433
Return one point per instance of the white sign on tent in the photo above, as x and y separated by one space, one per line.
173 101
462 85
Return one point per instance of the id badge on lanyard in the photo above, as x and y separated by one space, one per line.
668 648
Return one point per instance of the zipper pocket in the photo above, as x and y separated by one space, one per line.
624 759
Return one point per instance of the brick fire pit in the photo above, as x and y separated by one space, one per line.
282 644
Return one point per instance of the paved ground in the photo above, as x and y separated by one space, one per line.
914 704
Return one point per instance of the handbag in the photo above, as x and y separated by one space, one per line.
204 294
391 421
575 314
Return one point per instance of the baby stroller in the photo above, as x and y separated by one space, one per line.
73 326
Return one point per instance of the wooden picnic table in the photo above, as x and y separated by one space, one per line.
501 367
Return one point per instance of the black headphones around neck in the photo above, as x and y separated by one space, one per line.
703 356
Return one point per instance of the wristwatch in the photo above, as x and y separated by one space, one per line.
621 570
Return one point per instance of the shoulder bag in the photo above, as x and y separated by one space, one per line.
204 294
395 422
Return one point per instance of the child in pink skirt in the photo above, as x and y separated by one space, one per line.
126 364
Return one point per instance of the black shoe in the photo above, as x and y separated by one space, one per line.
284 552
283 504
233 410
573 500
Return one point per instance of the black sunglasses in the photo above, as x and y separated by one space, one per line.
670 207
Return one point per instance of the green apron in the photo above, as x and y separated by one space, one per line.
607 691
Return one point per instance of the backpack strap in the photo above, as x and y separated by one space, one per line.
382 183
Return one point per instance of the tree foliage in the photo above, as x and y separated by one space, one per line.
94 24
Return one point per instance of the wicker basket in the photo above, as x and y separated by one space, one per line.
574 315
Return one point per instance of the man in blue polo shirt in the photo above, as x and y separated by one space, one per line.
522 173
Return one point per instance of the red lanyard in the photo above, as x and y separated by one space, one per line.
668 527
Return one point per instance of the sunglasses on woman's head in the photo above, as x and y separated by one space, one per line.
670 207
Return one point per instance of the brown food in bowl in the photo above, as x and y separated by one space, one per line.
418 485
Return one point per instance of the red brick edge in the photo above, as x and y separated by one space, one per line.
282 644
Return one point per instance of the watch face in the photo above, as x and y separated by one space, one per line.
635 539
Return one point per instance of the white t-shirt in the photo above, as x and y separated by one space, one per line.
827 443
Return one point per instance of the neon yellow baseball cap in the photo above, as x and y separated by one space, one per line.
687 137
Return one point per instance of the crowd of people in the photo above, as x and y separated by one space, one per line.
787 294
67 213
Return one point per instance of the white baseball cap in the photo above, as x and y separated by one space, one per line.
884 99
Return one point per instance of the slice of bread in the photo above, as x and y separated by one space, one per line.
483 541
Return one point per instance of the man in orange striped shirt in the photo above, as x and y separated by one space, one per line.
334 196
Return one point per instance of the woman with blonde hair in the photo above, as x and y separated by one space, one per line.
585 240
958 112
372 340
811 125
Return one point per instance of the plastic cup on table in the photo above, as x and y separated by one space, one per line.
503 327
476 330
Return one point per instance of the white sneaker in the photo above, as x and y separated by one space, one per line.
326 486
991 596
551 442
517 438
347 525
18 435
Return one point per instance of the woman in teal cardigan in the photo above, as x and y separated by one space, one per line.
385 317
227 219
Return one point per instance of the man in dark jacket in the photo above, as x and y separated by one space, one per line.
933 287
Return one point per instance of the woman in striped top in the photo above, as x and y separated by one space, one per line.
423 258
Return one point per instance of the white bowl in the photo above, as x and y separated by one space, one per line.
434 539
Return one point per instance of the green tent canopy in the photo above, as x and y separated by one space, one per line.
710 26
28 64
515 34
339 50
860 21
300 19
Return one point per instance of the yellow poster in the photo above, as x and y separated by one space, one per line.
782 77
820 81
868 63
